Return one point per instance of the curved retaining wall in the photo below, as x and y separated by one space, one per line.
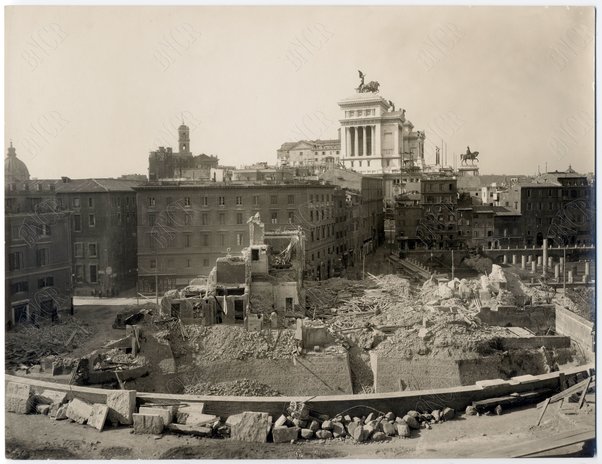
397 402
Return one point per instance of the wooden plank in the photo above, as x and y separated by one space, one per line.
542 445
582 398
71 337
569 391
545 406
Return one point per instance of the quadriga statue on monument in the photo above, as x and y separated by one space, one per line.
371 86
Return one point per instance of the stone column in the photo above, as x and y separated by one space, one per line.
505 259
356 141
533 266
545 255
561 263
513 259
377 147
529 259
523 261
557 272
585 276
373 133
539 261
364 141
570 278
587 270
347 149
550 262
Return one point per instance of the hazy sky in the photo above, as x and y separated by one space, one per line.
91 90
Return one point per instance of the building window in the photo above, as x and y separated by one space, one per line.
255 200
239 239
153 263
205 201
151 201
186 240
42 257
204 219
238 200
222 218
92 251
151 219
239 218
311 198
205 239
291 217
222 239
77 223
188 263
221 201
205 262
291 199
79 273
187 219
91 202
186 201
46 282
91 220
78 249
15 261
273 199
22 286
75 202
274 217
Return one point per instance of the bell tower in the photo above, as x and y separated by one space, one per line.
184 138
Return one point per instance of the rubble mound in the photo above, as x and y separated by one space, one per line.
240 387
27 343
228 342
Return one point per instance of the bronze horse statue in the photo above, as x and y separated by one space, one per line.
371 86
469 155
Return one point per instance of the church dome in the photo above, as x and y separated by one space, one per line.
15 170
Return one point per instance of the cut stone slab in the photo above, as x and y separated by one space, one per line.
98 416
51 396
79 411
403 430
388 429
307 434
165 413
360 434
284 434
61 413
19 398
324 434
411 421
43 409
195 430
249 426
491 383
122 404
280 421
448 414
192 414
148 423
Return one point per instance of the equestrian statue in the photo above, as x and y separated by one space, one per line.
469 155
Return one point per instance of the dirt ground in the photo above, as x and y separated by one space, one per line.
465 436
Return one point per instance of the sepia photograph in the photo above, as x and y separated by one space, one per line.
299 232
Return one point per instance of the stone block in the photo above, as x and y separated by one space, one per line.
148 423
324 434
51 396
314 425
43 409
360 433
280 421
249 426
165 413
122 404
79 411
339 429
403 430
19 398
436 415
307 434
379 436
193 415
194 430
327 425
388 428
411 421
284 434
448 414
98 416
61 413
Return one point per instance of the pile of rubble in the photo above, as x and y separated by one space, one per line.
230 342
240 387
27 344
320 296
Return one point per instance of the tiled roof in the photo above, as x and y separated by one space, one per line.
96 185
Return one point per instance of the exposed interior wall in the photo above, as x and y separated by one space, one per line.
538 318
502 366
308 375
551 341
579 329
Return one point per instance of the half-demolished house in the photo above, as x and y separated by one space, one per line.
264 282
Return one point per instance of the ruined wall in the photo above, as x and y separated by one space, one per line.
266 294
393 374
537 318
552 341
502 366
576 327
310 375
